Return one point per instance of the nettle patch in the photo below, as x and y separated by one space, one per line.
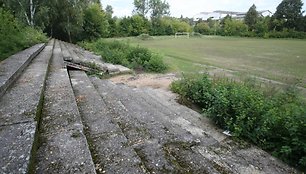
275 121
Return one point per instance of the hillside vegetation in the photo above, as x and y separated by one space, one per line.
273 120
137 58
14 36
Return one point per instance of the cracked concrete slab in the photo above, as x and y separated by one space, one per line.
19 107
16 144
109 146
173 138
63 145
12 67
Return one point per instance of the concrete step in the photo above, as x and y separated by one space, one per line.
183 116
65 52
63 147
71 51
223 152
108 143
87 54
21 108
192 142
151 134
12 67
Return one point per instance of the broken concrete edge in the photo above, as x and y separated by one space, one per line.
99 68
71 65
18 72
36 142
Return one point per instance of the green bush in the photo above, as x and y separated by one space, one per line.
138 56
155 64
116 52
275 122
287 34
145 37
14 36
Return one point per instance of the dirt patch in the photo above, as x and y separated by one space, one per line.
156 81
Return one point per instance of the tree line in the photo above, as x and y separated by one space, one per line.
287 21
76 20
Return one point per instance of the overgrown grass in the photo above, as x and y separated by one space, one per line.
275 121
15 37
137 58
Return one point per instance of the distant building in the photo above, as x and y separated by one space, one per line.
219 14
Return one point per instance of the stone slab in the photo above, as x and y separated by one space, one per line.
19 107
64 152
20 102
16 144
66 54
12 67
63 148
176 154
109 144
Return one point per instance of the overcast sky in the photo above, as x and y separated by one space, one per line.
189 8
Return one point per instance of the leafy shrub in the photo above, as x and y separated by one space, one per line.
155 64
196 34
14 36
287 34
275 122
122 53
138 56
145 37
32 36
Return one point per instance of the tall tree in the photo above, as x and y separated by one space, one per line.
95 22
304 24
289 12
159 8
141 7
156 8
65 18
139 25
109 10
252 17
24 10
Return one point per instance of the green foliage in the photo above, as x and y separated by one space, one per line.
139 25
169 26
14 36
234 27
180 26
274 121
117 52
145 37
289 12
202 28
133 26
95 22
287 34
158 8
141 7
251 17
155 64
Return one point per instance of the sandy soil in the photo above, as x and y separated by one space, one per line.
156 81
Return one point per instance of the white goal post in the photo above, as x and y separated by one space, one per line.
180 34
